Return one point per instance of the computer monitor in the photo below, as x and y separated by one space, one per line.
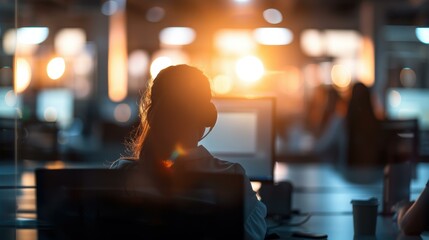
411 103
55 105
244 133
407 103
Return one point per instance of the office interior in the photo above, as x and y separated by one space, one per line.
282 73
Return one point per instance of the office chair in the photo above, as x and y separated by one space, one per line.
105 204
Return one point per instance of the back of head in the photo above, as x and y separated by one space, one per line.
363 128
178 111
180 94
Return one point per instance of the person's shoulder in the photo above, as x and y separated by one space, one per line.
227 166
124 163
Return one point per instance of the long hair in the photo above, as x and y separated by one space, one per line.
363 129
169 113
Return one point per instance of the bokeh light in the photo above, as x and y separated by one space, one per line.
422 34
249 69
222 84
83 64
82 87
408 78
341 76
69 41
177 36
109 7
167 57
158 64
10 99
56 68
155 14
138 63
312 42
231 41
122 113
394 98
273 36
272 15
32 35
50 114
22 75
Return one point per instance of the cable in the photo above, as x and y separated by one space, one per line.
285 222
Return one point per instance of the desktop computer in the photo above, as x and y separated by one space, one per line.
244 133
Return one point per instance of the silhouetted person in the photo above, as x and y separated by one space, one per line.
321 107
363 129
413 217
175 113
330 141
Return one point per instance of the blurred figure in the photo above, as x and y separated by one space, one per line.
324 124
175 113
330 142
413 217
321 107
363 129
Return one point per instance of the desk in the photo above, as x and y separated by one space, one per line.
319 189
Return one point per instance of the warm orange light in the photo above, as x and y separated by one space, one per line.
341 76
291 80
366 70
56 68
232 41
22 75
249 69
117 58
222 84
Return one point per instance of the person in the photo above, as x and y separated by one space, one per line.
413 217
363 129
175 112
329 143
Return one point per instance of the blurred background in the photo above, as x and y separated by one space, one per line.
72 71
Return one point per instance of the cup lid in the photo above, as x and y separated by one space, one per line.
368 202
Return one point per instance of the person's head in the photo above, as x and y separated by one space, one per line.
175 111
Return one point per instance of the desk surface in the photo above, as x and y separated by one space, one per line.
319 189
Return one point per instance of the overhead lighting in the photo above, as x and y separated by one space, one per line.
117 82
273 16
70 41
232 41
22 75
273 36
56 68
312 42
32 35
155 14
423 34
249 69
167 57
342 43
138 62
177 36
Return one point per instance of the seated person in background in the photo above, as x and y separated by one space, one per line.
413 217
363 129
175 113
330 142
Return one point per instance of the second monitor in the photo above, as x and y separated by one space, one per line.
244 133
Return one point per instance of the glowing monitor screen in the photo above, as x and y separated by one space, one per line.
244 134
55 105
406 103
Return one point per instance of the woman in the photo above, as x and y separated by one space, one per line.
175 113
413 217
